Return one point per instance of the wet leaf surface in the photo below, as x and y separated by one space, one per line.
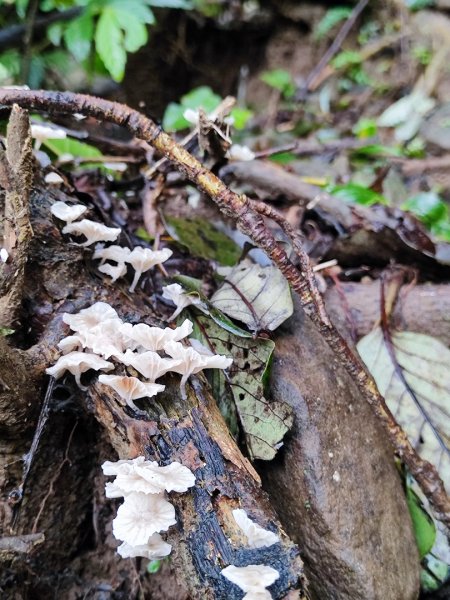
264 422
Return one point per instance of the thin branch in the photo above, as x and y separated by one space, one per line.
239 207
337 43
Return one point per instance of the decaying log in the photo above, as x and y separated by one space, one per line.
334 484
206 538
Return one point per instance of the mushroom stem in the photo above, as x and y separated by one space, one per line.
137 274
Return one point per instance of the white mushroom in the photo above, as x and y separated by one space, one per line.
257 536
252 579
193 362
94 232
258 595
66 212
71 343
114 271
53 178
90 317
176 477
115 467
155 338
180 298
118 254
238 152
143 259
78 363
4 255
44 132
154 549
131 388
142 515
149 364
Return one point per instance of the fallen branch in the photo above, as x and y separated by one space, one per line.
239 208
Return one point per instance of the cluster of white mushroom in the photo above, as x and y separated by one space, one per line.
140 258
145 512
99 335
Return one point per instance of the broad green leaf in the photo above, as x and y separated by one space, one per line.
135 31
78 36
74 147
357 194
203 239
332 17
423 524
109 44
201 97
136 9
3 73
184 4
283 158
194 285
428 207
417 391
173 119
441 230
377 150
280 80
54 33
241 116
257 296
264 422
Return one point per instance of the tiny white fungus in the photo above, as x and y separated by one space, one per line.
155 338
257 536
114 271
116 253
237 152
149 364
89 317
142 515
155 548
143 259
78 363
131 388
4 255
66 212
53 178
253 578
180 298
94 232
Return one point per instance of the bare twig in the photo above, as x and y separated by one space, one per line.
251 223
342 34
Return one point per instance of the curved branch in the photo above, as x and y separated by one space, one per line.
239 208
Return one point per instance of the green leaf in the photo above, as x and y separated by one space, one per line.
365 128
416 390
201 97
78 36
109 43
194 285
332 17
135 31
74 147
184 4
441 230
377 150
257 296
241 117
54 33
356 194
280 80
153 566
173 119
346 59
428 207
423 524
203 239
283 158
4 331
264 423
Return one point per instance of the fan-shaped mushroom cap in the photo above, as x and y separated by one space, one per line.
155 338
193 362
131 388
65 212
88 318
94 232
180 298
142 515
110 467
257 536
154 549
253 578
149 364
44 132
78 363
142 259
176 477
114 271
116 253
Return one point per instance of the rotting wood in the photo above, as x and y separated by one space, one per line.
206 538
239 208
